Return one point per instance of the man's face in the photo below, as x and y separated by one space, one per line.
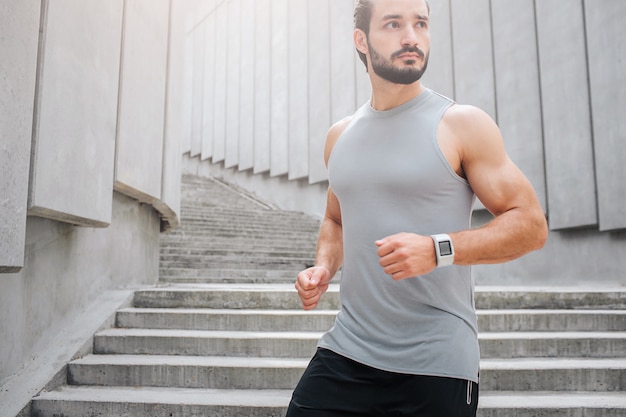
399 40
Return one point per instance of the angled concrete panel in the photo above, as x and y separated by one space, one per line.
141 112
233 62
221 78
279 156
519 104
473 54
208 105
569 162
18 68
342 57
298 91
169 204
606 37
247 85
262 86
197 102
74 140
319 87
187 99
174 117
439 75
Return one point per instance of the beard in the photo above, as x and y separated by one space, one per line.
386 70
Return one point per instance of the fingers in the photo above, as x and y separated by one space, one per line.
311 284
406 255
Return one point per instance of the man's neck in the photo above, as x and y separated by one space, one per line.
387 95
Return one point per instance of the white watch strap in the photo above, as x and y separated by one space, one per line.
444 249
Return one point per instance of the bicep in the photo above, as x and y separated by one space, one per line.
498 183
500 186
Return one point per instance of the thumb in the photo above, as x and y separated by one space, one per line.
317 275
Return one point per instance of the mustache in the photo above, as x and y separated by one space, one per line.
408 49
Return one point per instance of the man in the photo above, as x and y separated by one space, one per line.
404 171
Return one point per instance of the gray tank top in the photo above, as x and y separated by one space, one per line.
390 176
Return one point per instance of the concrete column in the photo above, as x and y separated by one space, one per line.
262 86
319 88
247 86
473 54
517 87
141 113
279 158
234 69
74 138
440 75
221 78
18 64
606 43
208 104
298 108
566 114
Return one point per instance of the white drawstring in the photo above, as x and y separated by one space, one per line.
469 392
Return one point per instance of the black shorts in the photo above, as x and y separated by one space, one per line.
334 386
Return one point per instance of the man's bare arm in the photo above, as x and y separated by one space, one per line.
519 225
473 146
313 282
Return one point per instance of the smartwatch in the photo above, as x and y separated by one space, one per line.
443 249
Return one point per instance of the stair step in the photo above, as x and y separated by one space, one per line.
219 372
231 296
207 343
302 344
224 275
215 372
160 402
284 296
321 320
552 344
551 404
165 402
200 252
239 320
553 374
552 320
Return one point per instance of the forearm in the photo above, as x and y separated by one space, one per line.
506 237
329 252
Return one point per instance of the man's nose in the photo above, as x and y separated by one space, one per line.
409 37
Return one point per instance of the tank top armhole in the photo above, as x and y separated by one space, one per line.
435 141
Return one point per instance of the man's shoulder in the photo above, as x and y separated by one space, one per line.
468 118
341 124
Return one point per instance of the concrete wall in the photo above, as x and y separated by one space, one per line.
549 72
90 126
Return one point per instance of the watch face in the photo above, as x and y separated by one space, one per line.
445 249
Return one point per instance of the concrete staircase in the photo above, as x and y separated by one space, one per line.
223 334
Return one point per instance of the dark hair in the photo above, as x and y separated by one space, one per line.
363 17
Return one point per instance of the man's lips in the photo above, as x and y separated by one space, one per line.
410 56
409 53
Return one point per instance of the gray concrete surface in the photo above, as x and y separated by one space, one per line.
67 269
18 63
76 115
141 120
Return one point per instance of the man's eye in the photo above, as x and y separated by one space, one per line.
392 25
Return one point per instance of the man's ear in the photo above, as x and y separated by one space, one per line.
360 41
